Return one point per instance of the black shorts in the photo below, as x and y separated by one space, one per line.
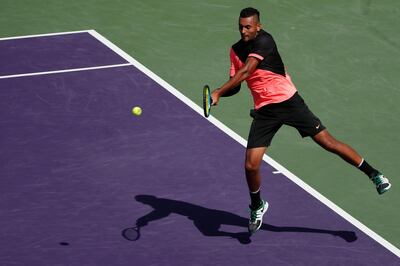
268 119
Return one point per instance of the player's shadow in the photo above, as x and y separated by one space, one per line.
209 221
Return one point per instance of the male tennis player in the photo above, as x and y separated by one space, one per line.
255 58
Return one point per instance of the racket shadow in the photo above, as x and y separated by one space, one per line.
209 221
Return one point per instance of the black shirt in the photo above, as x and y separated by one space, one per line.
264 48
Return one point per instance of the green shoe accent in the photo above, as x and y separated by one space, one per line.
381 182
256 217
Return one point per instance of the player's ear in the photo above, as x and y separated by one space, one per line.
259 26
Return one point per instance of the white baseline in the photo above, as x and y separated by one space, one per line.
63 71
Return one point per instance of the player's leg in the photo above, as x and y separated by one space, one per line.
300 117
329 143
347 153
264 126
258 207
252 168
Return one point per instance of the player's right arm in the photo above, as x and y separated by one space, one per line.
232 91
243 73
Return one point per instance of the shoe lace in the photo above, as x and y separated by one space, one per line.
378 180
253 215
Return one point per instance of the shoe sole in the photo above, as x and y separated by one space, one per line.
385 189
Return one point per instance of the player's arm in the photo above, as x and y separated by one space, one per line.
232 91
242 74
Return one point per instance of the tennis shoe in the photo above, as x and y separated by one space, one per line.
256 216
381 182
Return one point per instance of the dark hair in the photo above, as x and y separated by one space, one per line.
248 12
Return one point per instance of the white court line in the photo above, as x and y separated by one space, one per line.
242 141
64 71
42 35
55 71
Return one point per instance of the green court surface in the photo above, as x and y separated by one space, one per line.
343 56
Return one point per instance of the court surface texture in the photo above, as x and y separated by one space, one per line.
78 169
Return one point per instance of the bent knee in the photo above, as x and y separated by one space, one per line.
253 158
326 141
252 167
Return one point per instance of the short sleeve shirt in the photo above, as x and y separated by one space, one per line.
269 83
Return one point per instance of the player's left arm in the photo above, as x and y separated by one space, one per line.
243 73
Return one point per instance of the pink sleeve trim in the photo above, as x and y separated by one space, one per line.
257 56
234 59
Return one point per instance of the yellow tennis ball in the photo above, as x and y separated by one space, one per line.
137 110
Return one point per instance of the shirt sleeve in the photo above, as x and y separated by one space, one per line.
234 63
262 47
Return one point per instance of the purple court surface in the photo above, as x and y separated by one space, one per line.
78 169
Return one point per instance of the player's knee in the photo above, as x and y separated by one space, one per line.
326 141
251 167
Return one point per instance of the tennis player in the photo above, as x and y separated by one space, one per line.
255 58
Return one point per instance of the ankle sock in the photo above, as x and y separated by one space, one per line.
255 199
367 169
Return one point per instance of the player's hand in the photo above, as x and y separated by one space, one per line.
215 97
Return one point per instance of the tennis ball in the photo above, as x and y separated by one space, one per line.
137 110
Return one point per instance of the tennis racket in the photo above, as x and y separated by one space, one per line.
207 100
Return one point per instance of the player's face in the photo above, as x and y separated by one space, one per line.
249 28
